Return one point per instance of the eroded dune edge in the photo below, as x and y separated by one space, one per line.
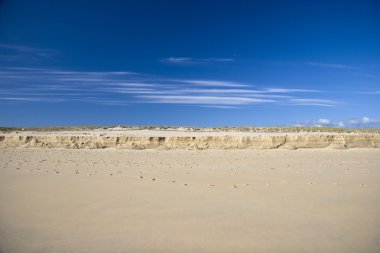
196 142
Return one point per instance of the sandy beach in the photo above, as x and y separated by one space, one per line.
120 200
156 126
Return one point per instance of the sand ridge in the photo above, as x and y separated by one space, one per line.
184 139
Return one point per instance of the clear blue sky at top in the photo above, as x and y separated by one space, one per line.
203 63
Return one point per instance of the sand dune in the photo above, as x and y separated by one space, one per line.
187 139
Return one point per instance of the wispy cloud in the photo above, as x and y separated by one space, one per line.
32 99
364 122
125 87
190 60
14 53
373 92
323 121
313 101
204 100
213 83
220 106
332 65
281 90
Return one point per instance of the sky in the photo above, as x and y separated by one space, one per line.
190 63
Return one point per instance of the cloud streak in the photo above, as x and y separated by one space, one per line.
313 101
125 87
204 100
213 83
16 53
332 65
190 60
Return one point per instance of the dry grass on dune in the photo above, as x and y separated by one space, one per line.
196 129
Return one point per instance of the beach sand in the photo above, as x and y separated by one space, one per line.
120 200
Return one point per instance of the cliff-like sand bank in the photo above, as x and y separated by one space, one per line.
185 139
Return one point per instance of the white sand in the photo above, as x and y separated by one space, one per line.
309 200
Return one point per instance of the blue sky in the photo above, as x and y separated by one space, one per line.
200 63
